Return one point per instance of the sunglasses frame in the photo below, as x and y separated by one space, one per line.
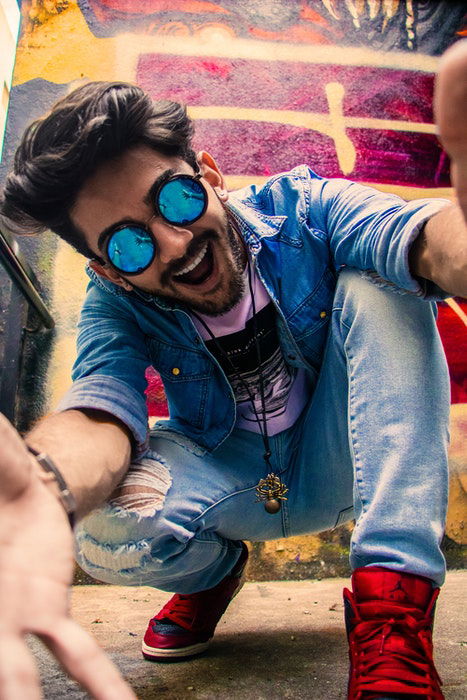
145 227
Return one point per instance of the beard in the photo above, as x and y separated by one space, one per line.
235 284
220 300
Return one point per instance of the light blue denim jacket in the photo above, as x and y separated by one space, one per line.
300 229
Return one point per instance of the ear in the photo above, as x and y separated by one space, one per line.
210 171
109 274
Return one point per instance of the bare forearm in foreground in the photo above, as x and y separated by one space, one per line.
90 448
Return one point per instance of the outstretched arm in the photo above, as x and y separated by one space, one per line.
440 252
91 448
36 551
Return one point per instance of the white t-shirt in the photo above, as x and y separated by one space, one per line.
286 389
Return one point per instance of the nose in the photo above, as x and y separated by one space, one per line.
172 241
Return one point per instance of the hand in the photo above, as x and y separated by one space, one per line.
440 252
450 104
36 567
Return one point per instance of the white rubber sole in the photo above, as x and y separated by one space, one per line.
168 654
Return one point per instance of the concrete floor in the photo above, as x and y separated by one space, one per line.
277 640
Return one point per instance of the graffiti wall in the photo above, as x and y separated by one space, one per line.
343 85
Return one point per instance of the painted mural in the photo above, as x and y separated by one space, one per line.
343 85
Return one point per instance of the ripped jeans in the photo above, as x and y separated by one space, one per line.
371 444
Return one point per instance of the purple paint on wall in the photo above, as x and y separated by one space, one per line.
369 91
264 148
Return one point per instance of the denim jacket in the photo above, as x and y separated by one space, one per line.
301 229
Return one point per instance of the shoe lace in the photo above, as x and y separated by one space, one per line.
180 608
409 664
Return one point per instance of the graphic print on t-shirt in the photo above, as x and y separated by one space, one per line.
240 349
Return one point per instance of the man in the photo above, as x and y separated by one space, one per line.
293 329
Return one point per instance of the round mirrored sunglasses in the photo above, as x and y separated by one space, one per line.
181 200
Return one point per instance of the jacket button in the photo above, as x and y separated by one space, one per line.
175 371
322 314
292 357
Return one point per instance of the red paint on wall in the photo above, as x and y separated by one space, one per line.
155 395
219 69
453 334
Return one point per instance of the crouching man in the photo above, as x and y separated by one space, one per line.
294 328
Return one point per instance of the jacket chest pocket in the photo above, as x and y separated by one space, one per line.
310 320
186 375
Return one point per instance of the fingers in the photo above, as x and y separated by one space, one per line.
84 660
450 104
18 672
451 99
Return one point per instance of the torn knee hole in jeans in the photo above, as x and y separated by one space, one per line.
143 489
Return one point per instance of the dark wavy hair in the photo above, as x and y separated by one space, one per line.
92 125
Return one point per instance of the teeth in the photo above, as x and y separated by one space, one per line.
195 262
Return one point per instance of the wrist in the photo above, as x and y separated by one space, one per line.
48 473
419 257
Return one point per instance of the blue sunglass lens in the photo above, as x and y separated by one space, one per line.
182 200
130 249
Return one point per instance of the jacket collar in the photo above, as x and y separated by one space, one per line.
252 223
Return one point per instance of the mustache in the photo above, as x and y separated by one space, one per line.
193 249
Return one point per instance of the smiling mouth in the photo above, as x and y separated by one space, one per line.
199 269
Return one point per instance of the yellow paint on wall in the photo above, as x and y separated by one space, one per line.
59 370
63 50
236 182
69 287
407 192
284 550
456 526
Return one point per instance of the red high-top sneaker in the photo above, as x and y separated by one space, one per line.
389 620
185 625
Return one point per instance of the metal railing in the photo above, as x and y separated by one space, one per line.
23 276
22 349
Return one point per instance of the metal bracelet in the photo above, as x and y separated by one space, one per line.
66 497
